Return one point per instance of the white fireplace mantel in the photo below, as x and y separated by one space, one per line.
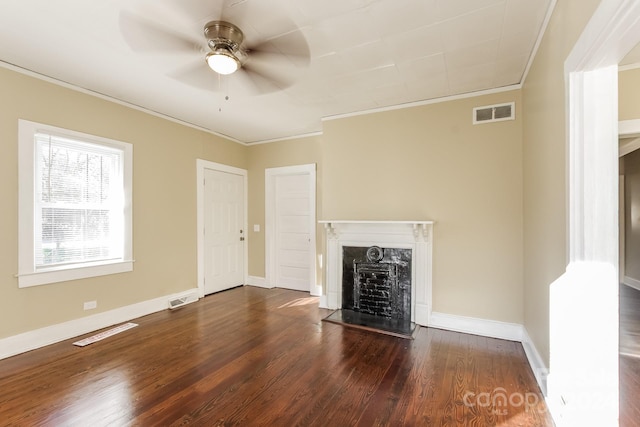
414 235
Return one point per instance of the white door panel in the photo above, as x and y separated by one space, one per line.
224 230
294 258
294 224
290 275
292 241
293 232
296 206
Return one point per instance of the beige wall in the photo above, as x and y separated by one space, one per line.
469 179
278 154
426 162
431 163
629 94
164 201
496 191
545 230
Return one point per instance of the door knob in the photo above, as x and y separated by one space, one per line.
242 239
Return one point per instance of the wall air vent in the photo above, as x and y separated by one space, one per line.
183 300
494 113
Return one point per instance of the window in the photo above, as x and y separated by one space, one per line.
75 205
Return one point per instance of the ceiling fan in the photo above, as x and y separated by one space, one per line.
262 63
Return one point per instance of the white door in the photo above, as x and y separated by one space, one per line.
224 234
293 232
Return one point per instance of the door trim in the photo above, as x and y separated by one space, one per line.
591 277
201 166
270 225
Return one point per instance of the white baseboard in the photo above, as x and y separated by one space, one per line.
259 282
316 290
323 301
421 314
539 368
476 326
631 282
37 338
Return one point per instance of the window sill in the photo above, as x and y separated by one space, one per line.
75 273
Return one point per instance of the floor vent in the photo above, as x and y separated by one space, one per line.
494 113
182 301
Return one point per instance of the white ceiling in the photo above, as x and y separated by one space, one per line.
363 55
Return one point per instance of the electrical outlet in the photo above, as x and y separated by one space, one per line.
256 228
90 305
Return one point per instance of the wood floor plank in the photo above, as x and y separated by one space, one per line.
252 356
629 370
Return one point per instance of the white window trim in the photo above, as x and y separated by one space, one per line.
27 274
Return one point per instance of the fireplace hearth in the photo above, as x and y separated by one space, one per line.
376 289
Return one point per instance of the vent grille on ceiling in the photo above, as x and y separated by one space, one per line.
494 113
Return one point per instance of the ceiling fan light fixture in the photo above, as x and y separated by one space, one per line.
223 62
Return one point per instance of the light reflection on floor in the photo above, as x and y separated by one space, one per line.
99 399
300 302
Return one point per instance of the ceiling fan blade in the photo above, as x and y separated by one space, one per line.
237 10
291 46
143 35
268 79
276 29
198 11
198 75
246 83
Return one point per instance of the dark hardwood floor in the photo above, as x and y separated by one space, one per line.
253 356
629 356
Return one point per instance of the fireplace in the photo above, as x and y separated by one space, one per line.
379 271
377 281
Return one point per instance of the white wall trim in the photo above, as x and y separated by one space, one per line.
628 146
286 138
201 166
580 371
259 282
70 86
631 282
628 67
425 102
66 85
540 370
543 30
42 337
629 128
476 326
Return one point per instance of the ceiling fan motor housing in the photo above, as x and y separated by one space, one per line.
223 35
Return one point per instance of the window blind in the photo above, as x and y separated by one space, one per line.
78 202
